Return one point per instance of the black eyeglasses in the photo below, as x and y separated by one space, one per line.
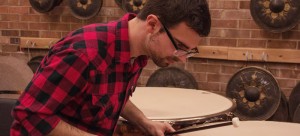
180 52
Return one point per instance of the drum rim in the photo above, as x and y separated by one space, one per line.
195 119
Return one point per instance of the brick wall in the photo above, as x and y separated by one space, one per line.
232 26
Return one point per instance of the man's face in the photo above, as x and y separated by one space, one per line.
162 50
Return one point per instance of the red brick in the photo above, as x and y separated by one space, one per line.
109 3
18 25
142 81
229 69
10 33
60 26
63 34
252 43
15 41
9 17
4 40
236 14
281 44
216 13
3 25
3 10
264 34
96 19
289 73
207 86
18 10
9 48
233 33
275 72
291 35
3 2
147 72
207 68
225 23
286 83
112 18
244 5
25 3
220 78
282 65
30 18
75 26
13 2
151 65
70 19
39 26
223 4
200 76
248 24
50 34
223 42
60 10
50 18
29 33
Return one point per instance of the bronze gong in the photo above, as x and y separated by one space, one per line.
275 15
133 6
256 93
172 77
44 6
85 9
294 103
119 3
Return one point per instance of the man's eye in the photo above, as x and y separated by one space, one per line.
181 46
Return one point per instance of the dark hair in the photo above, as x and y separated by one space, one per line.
171 12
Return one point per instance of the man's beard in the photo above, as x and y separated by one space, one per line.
162 62
159 61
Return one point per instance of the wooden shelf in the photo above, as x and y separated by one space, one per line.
249 54
37 43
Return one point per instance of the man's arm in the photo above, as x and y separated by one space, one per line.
57 80
137 117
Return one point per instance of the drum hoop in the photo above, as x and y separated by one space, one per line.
193 120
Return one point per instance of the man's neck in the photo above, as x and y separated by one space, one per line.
137 34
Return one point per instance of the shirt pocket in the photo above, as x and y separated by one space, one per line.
111 105
106 86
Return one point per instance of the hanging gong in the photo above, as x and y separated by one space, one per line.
85 9
165 77
296 117
133 6
119 3
275 15
256 93
43 6
282 112
294 100
15 74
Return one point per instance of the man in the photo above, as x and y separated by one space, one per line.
84 83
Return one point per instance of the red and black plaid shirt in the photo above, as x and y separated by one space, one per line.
84 80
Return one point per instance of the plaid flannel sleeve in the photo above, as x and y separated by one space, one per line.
59 78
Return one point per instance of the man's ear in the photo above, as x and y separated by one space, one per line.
153 25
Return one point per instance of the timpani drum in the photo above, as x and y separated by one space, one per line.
178 106
252 128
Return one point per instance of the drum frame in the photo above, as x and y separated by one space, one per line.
179 123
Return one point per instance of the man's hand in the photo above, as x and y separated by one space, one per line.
155 128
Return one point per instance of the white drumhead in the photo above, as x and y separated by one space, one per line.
252 128
161 103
